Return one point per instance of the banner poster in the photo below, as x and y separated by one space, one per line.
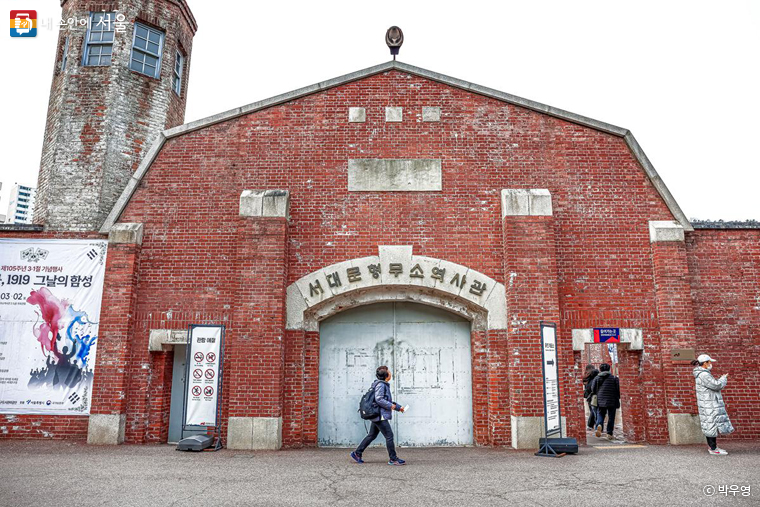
50 297
203 375
551 379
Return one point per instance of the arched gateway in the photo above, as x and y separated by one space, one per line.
415 314
396 275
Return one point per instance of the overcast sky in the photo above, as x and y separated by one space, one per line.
683 76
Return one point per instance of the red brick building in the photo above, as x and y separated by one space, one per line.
310 221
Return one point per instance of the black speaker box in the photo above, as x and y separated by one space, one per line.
560 445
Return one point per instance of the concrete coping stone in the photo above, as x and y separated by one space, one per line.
526 202
126 233
265 203
662 231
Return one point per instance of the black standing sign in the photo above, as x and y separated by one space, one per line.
552 414
552 409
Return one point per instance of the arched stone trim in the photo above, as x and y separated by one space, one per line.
401 277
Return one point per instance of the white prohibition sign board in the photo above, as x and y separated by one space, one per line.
551 379
203 380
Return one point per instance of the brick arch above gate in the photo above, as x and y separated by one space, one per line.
396 275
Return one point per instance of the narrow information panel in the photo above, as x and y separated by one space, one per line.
203 375
551 379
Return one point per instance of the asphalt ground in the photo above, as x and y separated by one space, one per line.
75 474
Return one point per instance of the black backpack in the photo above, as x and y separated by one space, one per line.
368 407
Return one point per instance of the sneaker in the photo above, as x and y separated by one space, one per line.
357 458
599 431
717 452
609 437
397 462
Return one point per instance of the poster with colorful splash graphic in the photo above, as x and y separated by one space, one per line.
50 297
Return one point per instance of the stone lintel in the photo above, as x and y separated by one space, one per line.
436 282
126 233
526 202
163 339
106 429
660 231
633 338
265 203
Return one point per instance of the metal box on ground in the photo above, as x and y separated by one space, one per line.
195 443
560 445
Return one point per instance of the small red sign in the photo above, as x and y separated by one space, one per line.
198 357
208 391
196 390
606 335
209 373
198 373
210 357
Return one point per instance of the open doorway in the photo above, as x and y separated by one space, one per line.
596 354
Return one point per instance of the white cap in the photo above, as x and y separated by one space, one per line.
704 358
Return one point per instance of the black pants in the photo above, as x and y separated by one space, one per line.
712 442
377 427
610 413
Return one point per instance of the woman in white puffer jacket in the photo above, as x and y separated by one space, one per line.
712 410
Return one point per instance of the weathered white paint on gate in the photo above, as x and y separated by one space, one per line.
428 351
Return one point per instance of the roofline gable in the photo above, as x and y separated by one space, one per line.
192 126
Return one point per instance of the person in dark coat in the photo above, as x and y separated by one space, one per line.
607 389
380 424
588 377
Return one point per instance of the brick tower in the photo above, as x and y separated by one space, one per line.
120 78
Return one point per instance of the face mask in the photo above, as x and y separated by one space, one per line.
709 367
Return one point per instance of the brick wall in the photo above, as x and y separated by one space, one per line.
604 268
724 267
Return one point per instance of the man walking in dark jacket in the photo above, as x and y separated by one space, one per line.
380 424
607 389
588 379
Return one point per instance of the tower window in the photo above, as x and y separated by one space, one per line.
146 51
99 39
65 54
179 61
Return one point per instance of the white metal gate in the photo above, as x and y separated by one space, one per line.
428 352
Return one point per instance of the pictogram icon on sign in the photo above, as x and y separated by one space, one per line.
198 357
208 391
210 357
196 390
209 373
197 373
